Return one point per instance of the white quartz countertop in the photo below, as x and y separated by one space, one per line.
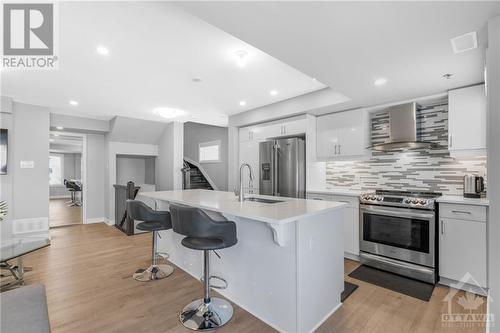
458 199
338 191
290 210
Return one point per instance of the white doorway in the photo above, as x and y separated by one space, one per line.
67 178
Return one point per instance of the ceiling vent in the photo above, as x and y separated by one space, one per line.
464 43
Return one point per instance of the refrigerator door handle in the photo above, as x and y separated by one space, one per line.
275 169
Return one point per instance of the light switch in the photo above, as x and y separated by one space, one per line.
27 164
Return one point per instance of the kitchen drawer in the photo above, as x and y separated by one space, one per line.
463 212
316 196
352 201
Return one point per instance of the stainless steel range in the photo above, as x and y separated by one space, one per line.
398 233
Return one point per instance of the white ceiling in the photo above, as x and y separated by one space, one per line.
155 49
347 45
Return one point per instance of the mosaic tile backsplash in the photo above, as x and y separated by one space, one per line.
421 169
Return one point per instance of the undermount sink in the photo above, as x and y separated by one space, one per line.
262 200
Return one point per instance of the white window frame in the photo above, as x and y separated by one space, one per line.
61 156
208 144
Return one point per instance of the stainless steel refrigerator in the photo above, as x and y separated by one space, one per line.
282 166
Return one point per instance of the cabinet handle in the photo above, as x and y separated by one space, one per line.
442 227
339 150
461 212
450 140
317 199
283 130
345 201
335 148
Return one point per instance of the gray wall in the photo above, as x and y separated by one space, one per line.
26 191
131 168
95 181
169 161
194 134
72 170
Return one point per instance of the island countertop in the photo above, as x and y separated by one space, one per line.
290 210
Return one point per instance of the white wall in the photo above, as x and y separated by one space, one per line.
170 158
26 190
94 182
78 124
493 101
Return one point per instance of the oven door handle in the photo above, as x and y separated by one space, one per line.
397 213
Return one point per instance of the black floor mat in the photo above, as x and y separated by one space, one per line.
348 290
394 282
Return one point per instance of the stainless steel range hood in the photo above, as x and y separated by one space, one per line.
402 129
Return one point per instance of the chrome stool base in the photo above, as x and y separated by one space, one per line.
198 316
153 272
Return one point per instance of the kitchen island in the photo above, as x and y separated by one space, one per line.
287 268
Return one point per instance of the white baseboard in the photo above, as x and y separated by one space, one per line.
109 221
30 225
96 220
463 286
351 256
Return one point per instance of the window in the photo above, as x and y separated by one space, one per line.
56 169
209 152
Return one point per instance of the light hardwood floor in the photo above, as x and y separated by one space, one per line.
87 273
60 214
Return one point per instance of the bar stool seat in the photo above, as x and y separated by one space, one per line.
153 221
204 233
205 243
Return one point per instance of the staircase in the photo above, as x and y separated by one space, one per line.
193 178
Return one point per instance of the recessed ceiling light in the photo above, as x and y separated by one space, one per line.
169 113
74 103
59 128
102 50
314 79
273 92
241 58
243 103
380 82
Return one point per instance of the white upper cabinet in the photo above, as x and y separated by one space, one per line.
467 121
294 127
341 135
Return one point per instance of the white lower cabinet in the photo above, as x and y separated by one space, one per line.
351 221
462 246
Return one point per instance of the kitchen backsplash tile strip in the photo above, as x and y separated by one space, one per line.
421 170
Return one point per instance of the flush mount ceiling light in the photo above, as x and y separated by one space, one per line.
73 102
241 58
380 81
169 113
273 92
464 42
243 103
59 128
102 50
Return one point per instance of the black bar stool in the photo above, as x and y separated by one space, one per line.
204 233
154 221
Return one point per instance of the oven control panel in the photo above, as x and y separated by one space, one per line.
400 201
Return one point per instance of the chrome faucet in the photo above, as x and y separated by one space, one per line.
240 194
